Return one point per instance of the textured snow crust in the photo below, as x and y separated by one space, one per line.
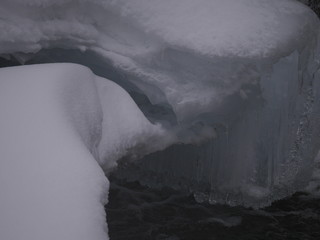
51 124
243 28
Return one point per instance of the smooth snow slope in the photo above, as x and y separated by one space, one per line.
51 184
126 131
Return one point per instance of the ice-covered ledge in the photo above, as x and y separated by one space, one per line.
240 75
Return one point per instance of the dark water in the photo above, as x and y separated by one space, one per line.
135 212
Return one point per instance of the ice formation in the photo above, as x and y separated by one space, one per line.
52 122
240 78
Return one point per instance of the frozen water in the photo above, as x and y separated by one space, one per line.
241 77
264 145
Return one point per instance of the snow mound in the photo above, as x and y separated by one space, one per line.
51 123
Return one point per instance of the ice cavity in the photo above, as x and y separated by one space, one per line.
51 124
240 74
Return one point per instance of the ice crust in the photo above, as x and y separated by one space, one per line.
264 147
241 77
52 121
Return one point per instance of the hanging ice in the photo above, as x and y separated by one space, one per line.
241 77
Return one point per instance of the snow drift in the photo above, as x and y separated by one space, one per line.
51 125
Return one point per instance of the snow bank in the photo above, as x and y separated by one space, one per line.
51 124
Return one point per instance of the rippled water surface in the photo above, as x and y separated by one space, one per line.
139 213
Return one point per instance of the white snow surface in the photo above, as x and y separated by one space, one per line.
146 39
125 129
243 28
51 124
250 28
